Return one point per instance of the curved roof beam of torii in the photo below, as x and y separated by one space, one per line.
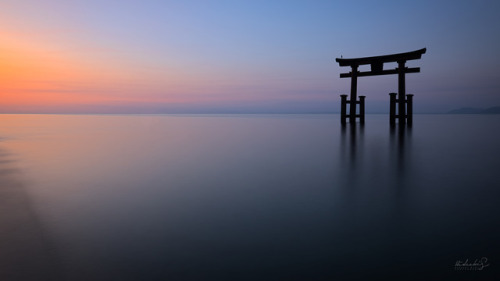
415 55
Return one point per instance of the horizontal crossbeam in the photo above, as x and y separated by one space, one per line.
382 72
356 102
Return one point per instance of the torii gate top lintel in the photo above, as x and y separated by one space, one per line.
378 61
415 55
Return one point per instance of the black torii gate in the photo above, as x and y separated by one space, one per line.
405 113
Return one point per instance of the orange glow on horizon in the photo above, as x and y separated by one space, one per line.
41 77
36 75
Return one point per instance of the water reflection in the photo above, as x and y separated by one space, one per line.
400 138
352 138
374 215
26 252
400 148
374 161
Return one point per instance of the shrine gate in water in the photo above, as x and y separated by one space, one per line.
404 101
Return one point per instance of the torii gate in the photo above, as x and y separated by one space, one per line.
377 68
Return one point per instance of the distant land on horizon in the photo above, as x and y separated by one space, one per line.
474 110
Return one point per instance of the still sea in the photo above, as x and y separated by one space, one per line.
248 197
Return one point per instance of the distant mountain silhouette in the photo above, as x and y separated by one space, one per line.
472 110
492 110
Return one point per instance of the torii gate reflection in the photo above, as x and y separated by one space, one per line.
404 101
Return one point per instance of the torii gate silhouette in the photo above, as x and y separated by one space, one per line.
404 101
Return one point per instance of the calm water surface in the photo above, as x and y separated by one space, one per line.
247 197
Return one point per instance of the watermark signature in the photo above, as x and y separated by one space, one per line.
477 265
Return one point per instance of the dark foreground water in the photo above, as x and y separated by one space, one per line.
248 197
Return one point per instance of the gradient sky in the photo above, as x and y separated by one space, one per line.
124 56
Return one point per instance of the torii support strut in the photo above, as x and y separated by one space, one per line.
404 101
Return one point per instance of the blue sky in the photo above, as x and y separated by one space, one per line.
248 56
